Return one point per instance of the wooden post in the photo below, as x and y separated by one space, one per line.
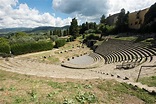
139 74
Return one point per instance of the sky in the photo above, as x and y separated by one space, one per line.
34 13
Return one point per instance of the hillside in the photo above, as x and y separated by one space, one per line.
31 30
9 30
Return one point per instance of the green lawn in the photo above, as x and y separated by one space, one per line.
150 81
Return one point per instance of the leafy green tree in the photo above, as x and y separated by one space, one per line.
83 28
150 19
20 34
103 30
4 46
57 32
150 16
88 27
122 22
3 40
102 26
74 29
66 32
51 33
103 19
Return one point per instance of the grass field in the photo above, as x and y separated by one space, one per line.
150 81
24 89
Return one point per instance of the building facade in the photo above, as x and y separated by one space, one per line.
135 19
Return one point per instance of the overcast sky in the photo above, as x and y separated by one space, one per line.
34 13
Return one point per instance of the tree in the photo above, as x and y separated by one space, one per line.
74 30
64 32
150 19
88 27
57 32
83 28
122 22
150 15
103 30
103 19
102 26
51 33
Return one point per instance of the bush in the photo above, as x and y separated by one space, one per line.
60 43
4 48
90 31
92 36
72 38
54 37
18 48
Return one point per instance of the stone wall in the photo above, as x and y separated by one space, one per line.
136 19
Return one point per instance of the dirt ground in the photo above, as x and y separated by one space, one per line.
47 64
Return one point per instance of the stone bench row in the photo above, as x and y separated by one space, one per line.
129 55
111 45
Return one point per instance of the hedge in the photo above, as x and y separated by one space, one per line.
92 36
60 43
24 48
4 48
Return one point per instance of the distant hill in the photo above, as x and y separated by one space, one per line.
10 30
31 30
47 28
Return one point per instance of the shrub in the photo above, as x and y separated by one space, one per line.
71 38
54 37
4 48
18 48
92 36
90 31
60 43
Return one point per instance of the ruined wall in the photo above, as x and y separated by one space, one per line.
112 19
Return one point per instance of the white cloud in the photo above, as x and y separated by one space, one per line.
89 10
92 10
13 14
129 5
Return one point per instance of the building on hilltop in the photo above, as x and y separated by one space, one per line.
112 19
135 19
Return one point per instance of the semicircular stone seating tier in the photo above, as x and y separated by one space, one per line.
115 50
92 60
